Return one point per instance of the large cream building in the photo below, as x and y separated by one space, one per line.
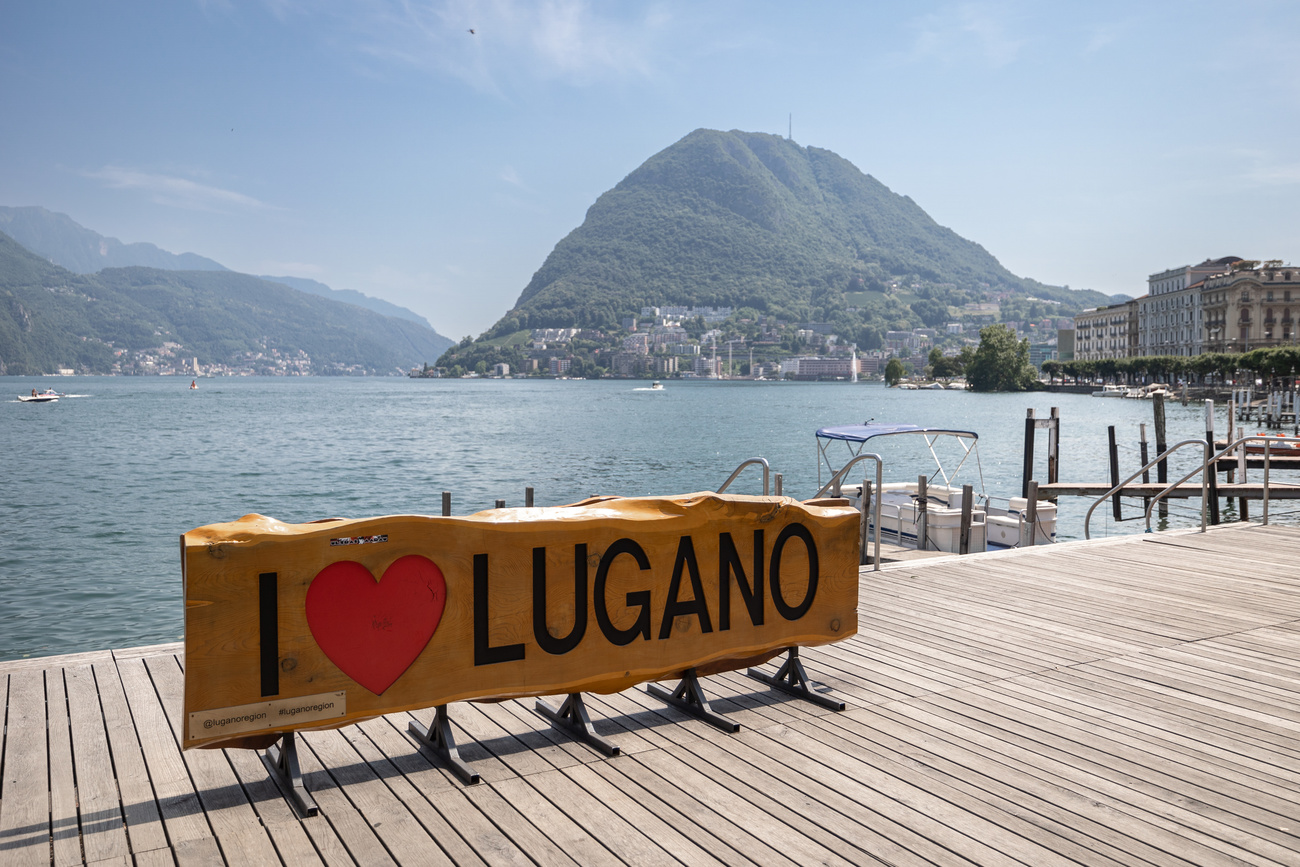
1251 307
1221 305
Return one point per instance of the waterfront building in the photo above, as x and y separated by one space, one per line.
1252 306
1170 317
1103 332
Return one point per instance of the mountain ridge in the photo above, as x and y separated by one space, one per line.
65 242
755 220
139 319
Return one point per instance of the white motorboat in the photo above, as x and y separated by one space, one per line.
47 396
904 517
1112 390
656 386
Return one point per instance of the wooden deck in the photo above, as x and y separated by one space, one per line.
1126 701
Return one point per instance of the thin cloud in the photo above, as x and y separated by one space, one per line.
175 191
510 176
560 40
956 31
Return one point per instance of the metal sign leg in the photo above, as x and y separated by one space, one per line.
572 717
438 738
281 759
689 699
793 679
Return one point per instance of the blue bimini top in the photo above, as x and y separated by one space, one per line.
860 433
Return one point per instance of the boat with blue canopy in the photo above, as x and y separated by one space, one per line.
931 519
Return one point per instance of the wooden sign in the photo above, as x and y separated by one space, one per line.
308 626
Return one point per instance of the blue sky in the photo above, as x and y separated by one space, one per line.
377 145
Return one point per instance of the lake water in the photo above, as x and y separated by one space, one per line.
97 488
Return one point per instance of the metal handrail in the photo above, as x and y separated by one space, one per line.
837 481
1146 467
1204 470
767 471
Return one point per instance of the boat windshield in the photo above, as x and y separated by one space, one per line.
961 445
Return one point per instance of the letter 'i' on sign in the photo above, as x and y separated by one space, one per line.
269 631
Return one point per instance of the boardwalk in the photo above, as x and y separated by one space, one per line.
1127 701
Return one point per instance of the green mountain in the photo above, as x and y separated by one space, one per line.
145 319
63 241
748 220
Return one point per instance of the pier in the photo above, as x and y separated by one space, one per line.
1132 700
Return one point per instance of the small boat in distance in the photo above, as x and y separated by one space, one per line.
47 396
656 386
1112 390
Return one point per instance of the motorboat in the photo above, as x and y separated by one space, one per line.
656 386
1112 390
1278 445
1147 392
47 396
934 522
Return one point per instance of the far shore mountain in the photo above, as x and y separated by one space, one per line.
769 235
68 244
138 320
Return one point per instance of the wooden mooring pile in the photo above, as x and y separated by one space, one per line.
1271 411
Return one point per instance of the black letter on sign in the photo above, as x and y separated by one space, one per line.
788 612
484 653
729 564
269 631
697 605
641 598
545 640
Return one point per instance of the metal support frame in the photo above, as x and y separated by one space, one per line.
791 678
690 700
572 718
438 738
281 759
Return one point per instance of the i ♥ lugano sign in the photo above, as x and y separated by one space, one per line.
309 626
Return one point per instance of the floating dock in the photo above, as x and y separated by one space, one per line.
1132 700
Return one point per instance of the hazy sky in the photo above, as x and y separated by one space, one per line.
378 145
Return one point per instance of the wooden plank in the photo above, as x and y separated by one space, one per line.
25 806
234 822
1017 790
64 824
171 648
675 845
41 663
103 830
178 802
359 839
1160 804
501 812
405 839
453 846
144 826
438 790
567 835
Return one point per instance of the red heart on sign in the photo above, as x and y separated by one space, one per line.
373 630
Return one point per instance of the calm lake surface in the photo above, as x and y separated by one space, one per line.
97 488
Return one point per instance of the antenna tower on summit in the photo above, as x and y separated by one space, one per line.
790 135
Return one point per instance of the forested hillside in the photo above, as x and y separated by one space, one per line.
756 221
131 318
